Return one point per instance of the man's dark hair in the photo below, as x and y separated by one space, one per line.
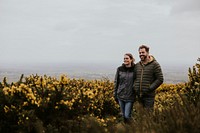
145 47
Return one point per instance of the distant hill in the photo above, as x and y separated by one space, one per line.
172 74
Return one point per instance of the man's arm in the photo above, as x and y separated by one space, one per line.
158 77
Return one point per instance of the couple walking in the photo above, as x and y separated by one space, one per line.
137 81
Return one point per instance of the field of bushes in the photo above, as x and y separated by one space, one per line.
38 104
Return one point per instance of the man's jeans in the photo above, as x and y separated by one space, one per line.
126 108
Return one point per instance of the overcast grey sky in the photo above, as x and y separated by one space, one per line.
36 31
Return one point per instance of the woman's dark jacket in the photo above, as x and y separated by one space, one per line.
148 77
123 83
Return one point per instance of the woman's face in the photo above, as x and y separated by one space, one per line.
127 60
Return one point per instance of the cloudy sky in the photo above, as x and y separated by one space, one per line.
89 31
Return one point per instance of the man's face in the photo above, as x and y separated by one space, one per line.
143 54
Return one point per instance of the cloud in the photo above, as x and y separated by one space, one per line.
186 6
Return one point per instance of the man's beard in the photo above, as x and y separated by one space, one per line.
143 57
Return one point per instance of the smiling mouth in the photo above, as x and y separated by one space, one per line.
141 56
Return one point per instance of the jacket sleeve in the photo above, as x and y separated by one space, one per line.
116 82
134 75
158 77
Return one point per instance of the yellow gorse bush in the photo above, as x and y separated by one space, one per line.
73 98
168 94
77 95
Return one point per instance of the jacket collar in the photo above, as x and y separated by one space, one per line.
151 59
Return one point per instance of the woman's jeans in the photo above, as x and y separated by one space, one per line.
126 108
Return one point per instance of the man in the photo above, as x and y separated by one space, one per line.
149 77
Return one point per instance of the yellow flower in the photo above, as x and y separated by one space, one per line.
13 107
73 100
6 90
32 102
25 104
48 99
6 109
102 120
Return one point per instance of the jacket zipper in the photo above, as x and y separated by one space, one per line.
141 81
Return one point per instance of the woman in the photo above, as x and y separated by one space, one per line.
123 86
